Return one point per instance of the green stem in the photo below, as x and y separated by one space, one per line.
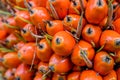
13 27
20 8
27 21
5 13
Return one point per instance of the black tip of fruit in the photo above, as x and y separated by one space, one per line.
117 42
68 19
41 46
49 23
89 30
99 2
23 30
58 40
107 59
18 78
74 3
61 78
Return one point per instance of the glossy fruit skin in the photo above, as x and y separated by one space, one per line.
116 24
3 31
103 63
22 14
54 26
76 57
25 33
74 76
110 39
59 64
38 76
38 16
23 73
11 40
44 50
71 21
19 45
26 53
110 76
10 21
40 3
58 77
90 75
61 7
63 43
43 67
9 74
11 60
96 12
91 33
20 3
76 4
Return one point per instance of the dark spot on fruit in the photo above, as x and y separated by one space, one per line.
41 46
74 3
23 30
99 3
107 59
18 78
114 6
68 19
52 68
89 31
58 40
117 42
49 23
6 41
52 0
29 4
6 22
60 78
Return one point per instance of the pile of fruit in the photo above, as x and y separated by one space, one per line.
60 40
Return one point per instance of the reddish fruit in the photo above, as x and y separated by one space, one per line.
74 76
58 77
103 63
26 32
59 64
96 11
110 40
111 76
75 7
116 24
90 75
11 60
27 52
53 27
82 48
38 15
43 67
91 33
63 43
9 74
60 6
71 21
20 16
23 73
11 40
44 50
38 76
